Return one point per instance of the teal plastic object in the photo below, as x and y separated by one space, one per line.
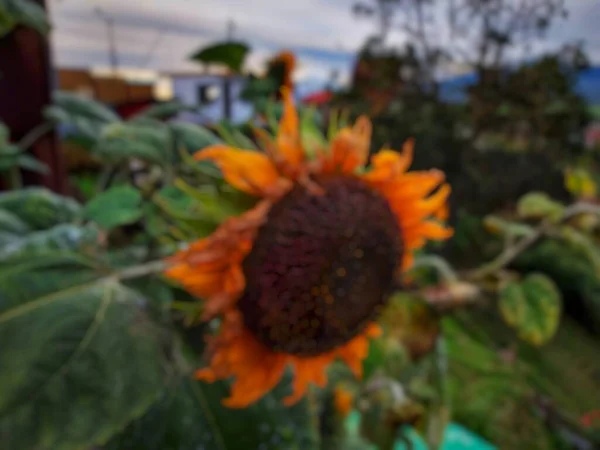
456 437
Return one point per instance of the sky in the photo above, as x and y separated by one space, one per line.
161 34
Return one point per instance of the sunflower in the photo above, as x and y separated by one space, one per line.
299 279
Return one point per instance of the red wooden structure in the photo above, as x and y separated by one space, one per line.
25 89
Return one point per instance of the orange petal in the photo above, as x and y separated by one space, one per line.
423 209
246 170
306 371
389 164
350 147
237 353
408 259
435 231
259 379
353 354
435 202
289 145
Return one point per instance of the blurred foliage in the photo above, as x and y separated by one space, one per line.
499 332
22 12
228 54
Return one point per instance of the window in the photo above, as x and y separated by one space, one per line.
208 93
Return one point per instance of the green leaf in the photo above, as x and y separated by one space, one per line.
234 137
313 139
28 162
212 205
532 307
122 141
39 207
163 111
8 159
159 295
7 20
184 212
497 225
191 416
229 54
259 89
30 14
120 205
79 357
538 205
11 223
68 105
584 243
60 237
4 133
192 137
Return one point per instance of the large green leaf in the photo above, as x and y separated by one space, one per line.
40 208
79 357
122 141
58 238
532 307
11 223
230 54
83 119
29 162
192 137
119 205
583 242
73 105
191 417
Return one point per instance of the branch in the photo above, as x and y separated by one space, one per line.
141 270
511 253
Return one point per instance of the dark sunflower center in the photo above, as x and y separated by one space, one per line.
321 267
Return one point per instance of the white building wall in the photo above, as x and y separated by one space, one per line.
186 90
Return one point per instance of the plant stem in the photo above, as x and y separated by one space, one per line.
439 264
141 270
511 253
15 181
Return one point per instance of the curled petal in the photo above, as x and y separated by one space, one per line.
211 268
350 147
389 164
435 231
246 170
289 146
238 354
307 371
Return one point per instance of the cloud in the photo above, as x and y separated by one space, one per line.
161 34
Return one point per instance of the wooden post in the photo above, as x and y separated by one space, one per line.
25 89
227 100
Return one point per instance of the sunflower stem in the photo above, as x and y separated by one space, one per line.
442 266
142 270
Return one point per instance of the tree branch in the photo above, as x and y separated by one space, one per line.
511 253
